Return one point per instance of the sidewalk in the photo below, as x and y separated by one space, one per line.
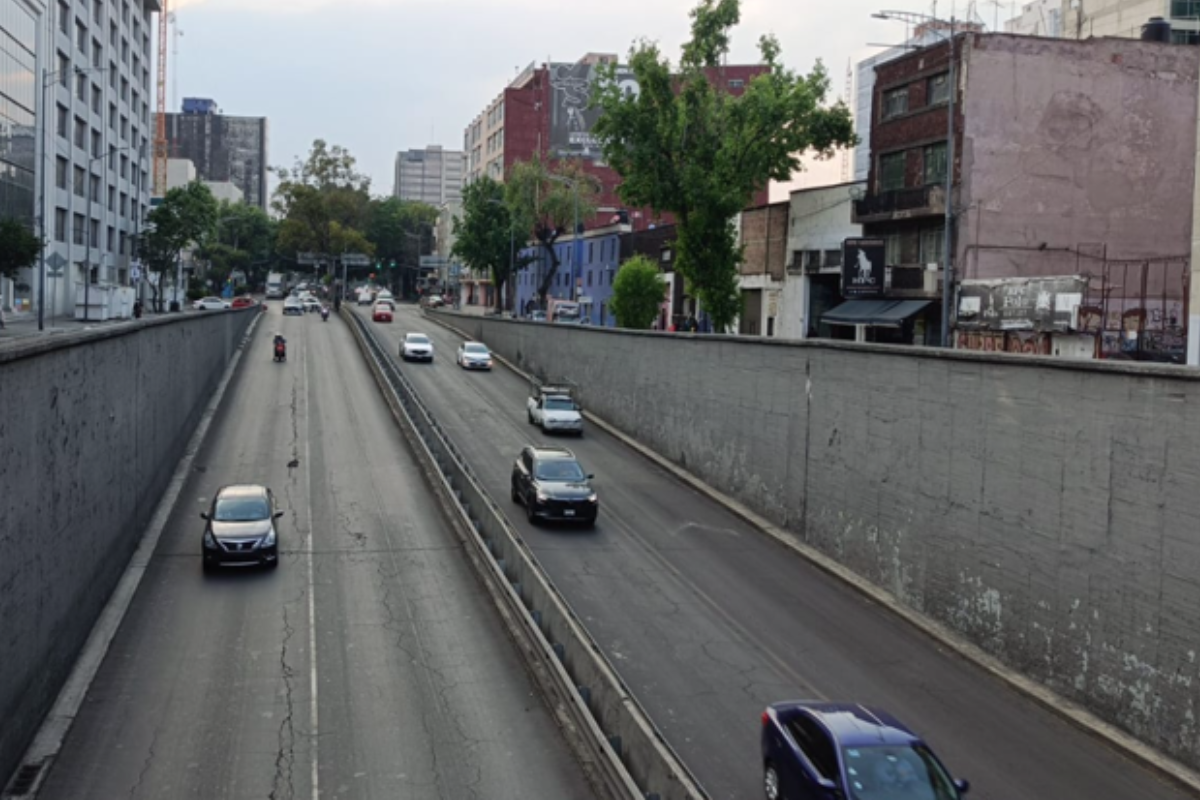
24 326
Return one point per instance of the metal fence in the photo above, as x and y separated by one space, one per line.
1138 309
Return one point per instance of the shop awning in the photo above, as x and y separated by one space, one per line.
879 313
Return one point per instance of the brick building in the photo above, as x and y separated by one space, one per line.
1070 155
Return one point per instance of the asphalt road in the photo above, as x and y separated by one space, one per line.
370 664
708 620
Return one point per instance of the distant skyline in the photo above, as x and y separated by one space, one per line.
382 76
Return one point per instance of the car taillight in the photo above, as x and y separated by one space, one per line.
766 718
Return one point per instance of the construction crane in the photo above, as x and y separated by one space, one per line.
160 123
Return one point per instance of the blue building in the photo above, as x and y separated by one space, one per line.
601 252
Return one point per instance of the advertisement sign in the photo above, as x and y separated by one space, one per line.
571 119
1021 304
863 267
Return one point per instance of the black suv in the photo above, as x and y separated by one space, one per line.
552 485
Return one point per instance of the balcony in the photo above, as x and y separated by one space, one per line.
925 201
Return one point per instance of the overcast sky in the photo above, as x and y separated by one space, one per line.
380 76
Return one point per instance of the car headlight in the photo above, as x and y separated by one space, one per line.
209 539
542 497
269 539
592 498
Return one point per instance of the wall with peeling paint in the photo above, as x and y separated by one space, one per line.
92 427
1046 510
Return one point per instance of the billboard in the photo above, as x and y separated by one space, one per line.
863 267
1021 304
571 119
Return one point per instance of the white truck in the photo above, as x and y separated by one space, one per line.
275 286
553 408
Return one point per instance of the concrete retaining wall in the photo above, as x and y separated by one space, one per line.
1047 510
91 427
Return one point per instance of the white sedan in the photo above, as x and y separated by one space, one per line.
416 347
311 303
211 304
474 355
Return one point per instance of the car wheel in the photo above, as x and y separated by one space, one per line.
512 491
589 524
771 783
208 566
529 414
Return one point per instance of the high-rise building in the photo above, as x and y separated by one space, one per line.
222 147
77 116
433 175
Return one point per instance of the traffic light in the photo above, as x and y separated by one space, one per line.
392 264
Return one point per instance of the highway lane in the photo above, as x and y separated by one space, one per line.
708 620
211 688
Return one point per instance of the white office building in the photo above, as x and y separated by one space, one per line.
432 175
78 159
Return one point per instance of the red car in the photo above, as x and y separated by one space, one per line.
381 312
245 301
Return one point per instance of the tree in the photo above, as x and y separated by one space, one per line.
244 239
323 203
397 228
485 233
637 293
688 147
543 203
186 216
19 248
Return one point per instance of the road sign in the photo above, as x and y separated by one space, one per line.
308 259
55 261
355 260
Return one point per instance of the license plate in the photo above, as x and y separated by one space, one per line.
568 512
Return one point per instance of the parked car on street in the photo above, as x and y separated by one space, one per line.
537 316
552 485
381 312
416 347
241 528
473 355
844 751
211 304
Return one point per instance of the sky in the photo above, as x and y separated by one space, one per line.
382 76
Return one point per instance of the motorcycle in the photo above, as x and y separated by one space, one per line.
324 314
280 350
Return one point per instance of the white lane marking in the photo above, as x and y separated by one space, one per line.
48 741
312 605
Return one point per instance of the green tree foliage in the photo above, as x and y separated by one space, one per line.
485 234
19 248
323 203
686 146
542 199
244 239
638 293
399 230
186 216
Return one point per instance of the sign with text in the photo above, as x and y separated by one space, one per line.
863 267
1021 304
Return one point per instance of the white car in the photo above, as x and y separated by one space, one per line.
474 355
365 297
211 304
555 413
384 294
416 347
311 303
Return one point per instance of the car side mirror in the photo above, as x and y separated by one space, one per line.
591 477
278 514
203 515
963 786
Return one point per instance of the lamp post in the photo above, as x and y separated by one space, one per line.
947 233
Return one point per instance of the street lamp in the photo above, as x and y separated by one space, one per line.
947 238
48 80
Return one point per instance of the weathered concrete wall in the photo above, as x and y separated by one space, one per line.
92 427
1046 510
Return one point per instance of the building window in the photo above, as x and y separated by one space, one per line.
935 163
60 225
64 18
112 238
94 193
62 122
97 53
98 9
895 103
94 233
1185 37
112 116
81 38
112 33
61 168
64 70
938 89
931 245
97 143
891 172
124 204
589 277
810 260
80 182
77 231
81 87
124 243
737 83
833 258
112 199
97 101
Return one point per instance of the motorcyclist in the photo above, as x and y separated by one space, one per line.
325 313
280 346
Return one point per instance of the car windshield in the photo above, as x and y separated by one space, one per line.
559 404
416 338
241 509
475 349
896 773
559 469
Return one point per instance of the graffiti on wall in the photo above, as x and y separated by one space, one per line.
1024 342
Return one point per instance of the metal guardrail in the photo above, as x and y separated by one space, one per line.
622 750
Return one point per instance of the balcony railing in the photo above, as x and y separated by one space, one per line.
921 201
